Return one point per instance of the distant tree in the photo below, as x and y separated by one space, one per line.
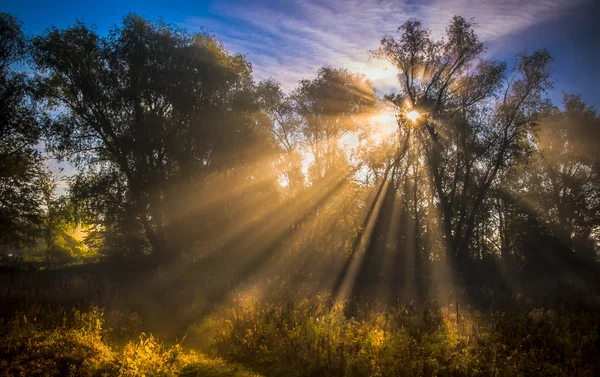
100 197
334 104
58 224
562 186
284 122
20 162
147 110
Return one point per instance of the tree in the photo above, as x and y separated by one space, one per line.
332 105
58 224
284 122
20 162
476 117
561 185
148 110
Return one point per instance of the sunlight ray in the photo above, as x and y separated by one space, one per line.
348 276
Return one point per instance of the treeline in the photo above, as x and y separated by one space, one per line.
182 155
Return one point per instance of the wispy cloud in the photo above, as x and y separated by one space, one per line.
290 41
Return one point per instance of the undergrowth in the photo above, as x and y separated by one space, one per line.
315 338
54 343
310 337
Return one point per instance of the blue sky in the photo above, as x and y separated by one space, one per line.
290 40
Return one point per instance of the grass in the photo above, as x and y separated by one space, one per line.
315 338
308 337
78 344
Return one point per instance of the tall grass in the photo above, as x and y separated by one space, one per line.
53 343
315 338
290 331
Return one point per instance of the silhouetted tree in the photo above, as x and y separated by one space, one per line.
475 116
147 110
560 186
20 162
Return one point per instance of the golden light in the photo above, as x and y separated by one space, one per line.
385 125
413 115
387 118
78 232
380 71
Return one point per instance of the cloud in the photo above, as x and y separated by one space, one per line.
290 41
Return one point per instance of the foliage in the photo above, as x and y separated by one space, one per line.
149 112
313 337
79 345
565 177
284 122
181 154
58 225
475 120
332 105
20 163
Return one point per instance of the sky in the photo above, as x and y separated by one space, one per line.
290 40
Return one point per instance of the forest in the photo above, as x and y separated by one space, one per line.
214 224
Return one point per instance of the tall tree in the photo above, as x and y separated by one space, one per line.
20 162
475 116
152 107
